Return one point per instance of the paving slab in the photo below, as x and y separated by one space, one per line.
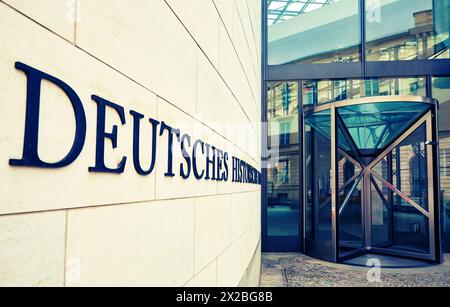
297 270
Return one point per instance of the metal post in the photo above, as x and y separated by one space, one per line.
264 134
334 185
301 170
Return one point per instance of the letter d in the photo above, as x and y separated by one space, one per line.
30 156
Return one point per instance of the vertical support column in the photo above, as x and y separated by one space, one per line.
264 133
367 208
391 198
434 204
301 165
431 187
334 185
362 13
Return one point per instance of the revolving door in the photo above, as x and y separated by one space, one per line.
371 179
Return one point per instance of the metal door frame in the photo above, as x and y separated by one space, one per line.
430 119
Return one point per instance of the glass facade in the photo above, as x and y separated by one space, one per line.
395 30
407 30
441 92
317 92
283 169
360 48
332 32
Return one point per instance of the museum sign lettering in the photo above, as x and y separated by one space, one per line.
217 167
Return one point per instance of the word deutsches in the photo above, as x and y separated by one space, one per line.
216 162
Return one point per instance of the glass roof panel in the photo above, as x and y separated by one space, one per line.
321 121
374 126
282 10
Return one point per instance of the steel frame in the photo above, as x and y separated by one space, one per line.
284 10
367 176
337 71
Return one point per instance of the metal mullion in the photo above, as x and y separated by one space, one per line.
264 74
328 199
347 135
380 193
301 166
378 69
350 158
399 140
354 177
437 184
334 186
402 195
350 181
367 209
362 12
429 86
390 162
347 198
305 191
431 185
385 131
314 185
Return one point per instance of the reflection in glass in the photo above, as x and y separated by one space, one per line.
397 222
283 216
351 224
407 29
411 228
381 215
313 31
318 167
374 126
317 92
441 92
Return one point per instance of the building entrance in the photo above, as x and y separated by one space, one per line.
371 179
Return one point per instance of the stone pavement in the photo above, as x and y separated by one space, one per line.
296 270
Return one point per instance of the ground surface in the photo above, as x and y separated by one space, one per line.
296 270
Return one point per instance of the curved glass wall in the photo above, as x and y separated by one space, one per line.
317 92
441 92
369 191
341 51
318 183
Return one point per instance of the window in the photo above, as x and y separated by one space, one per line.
441 92
295 26
286 99
399 30
372 87
331 91
283 172
309 92
285 134
282 99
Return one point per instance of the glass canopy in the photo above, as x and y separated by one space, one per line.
374 126
367 129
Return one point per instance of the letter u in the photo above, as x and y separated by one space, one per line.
136 143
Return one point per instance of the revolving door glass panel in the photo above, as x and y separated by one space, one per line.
370 179
318 232
401 220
